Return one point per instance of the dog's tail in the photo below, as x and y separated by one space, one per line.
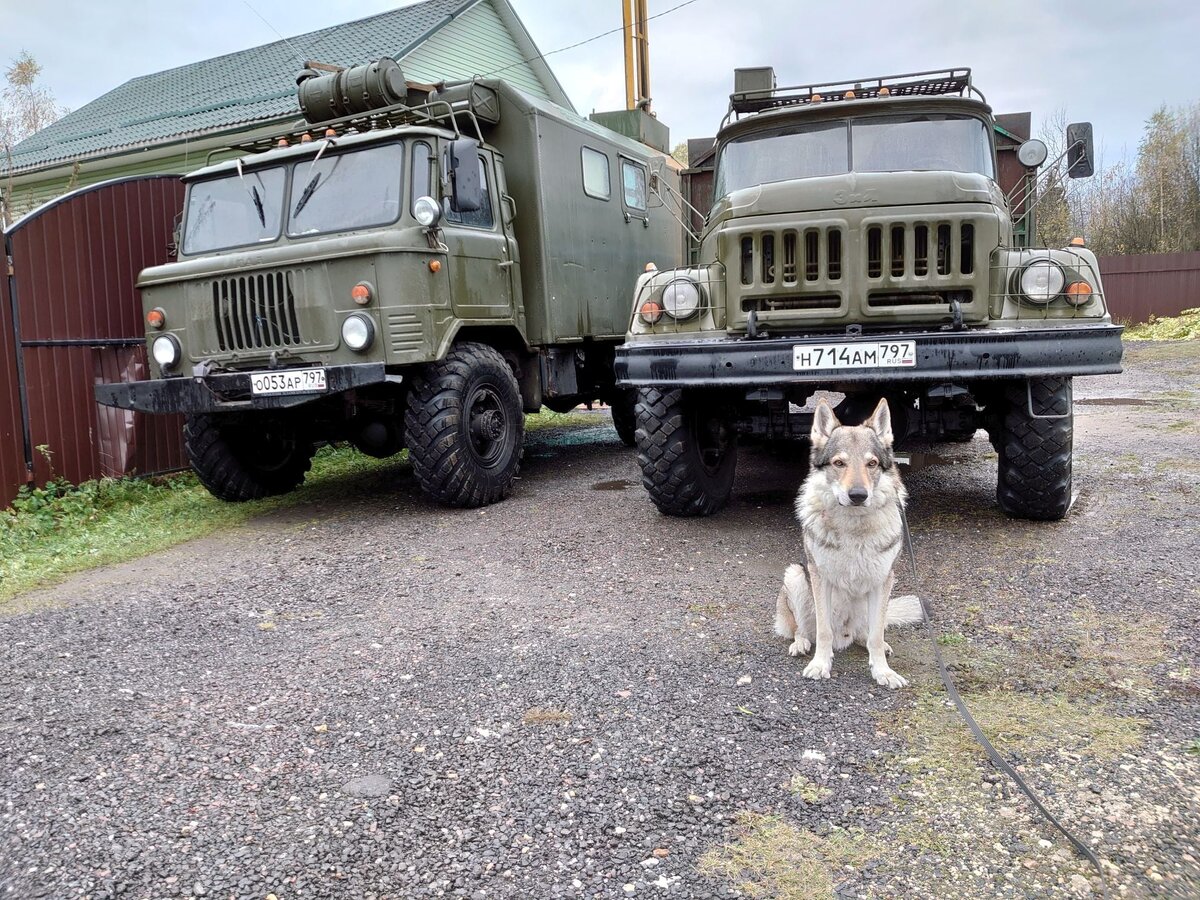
905 610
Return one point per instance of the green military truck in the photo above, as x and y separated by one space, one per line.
418 269
859 243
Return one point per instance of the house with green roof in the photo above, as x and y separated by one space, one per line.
170 122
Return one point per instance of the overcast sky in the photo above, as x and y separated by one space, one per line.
1108 62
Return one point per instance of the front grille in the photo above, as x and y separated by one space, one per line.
878 299
791 301
792 257
912 249
254 312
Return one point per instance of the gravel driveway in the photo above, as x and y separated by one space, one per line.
569 695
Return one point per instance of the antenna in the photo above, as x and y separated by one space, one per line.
299 58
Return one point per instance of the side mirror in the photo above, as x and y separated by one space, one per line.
466 192
1079 150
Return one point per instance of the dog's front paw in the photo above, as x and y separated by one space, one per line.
889 678
818 669
799 647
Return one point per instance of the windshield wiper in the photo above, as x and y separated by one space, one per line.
308 192
258 205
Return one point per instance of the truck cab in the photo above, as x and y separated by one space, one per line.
859 243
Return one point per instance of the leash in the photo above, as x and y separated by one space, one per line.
996 759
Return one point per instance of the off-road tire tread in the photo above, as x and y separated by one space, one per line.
671 472
226 477
623 406
1034 471
431 424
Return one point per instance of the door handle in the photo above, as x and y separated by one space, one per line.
505 264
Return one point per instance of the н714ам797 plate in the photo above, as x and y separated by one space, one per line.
858 355
288 381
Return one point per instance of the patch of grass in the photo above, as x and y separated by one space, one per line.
538 715
1183 327
951 639
549 419
807 790
767 857
60 529
1193 749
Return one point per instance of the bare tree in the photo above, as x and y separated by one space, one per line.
25 107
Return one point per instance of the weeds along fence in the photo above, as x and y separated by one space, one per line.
1142 285
70 317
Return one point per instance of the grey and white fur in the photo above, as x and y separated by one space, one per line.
849 507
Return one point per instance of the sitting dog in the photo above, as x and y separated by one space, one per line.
849 507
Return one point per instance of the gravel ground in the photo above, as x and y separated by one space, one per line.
569 695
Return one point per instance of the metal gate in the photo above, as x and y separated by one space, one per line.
72 317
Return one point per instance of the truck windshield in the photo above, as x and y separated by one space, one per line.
234 211
920 142
344 191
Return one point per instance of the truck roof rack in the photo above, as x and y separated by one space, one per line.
933 83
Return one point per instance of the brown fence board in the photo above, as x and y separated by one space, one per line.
76 262
1140 285
12 439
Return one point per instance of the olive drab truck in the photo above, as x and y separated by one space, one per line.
415 268
858 243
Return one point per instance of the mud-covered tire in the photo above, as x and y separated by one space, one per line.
1033 478
465 427
687 449
623 405
247 457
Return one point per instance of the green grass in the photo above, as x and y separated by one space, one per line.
1183 327
61 529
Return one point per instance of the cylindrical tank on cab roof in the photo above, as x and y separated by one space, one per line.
358 89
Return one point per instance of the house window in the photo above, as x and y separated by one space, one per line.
479 218
633 185
596 179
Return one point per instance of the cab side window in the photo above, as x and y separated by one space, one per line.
422 170
482 217
633 185
597 182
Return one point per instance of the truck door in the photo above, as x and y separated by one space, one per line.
508 214
478 254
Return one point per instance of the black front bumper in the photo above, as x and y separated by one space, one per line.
228 391
985 353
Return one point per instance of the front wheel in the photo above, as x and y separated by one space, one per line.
247 457
623 405
1032 429
687 448
465 427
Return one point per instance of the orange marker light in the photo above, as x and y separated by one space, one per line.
330 132
156 318
1077 242
816 98
849 95
1079 293
651 311
435 266
885 92
651 267
283 142
361 293
306 138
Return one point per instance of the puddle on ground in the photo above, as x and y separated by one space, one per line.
1112 401
921 459
617 484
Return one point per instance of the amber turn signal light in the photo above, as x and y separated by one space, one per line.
435 266
1077 242
361 293
156 318
651 311
1079 293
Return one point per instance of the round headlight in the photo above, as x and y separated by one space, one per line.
166 351
1042 281
426 211
358 332
681 298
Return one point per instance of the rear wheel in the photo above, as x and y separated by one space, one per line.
465 427
247 457
623 405
1032 428
687 448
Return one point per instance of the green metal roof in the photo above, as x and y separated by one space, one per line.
222 93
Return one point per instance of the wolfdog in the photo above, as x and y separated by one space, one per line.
849 507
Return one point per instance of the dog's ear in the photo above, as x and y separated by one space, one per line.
881 423
824 421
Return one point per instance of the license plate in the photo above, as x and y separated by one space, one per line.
290 381
858 355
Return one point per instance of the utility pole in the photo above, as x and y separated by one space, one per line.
637 54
